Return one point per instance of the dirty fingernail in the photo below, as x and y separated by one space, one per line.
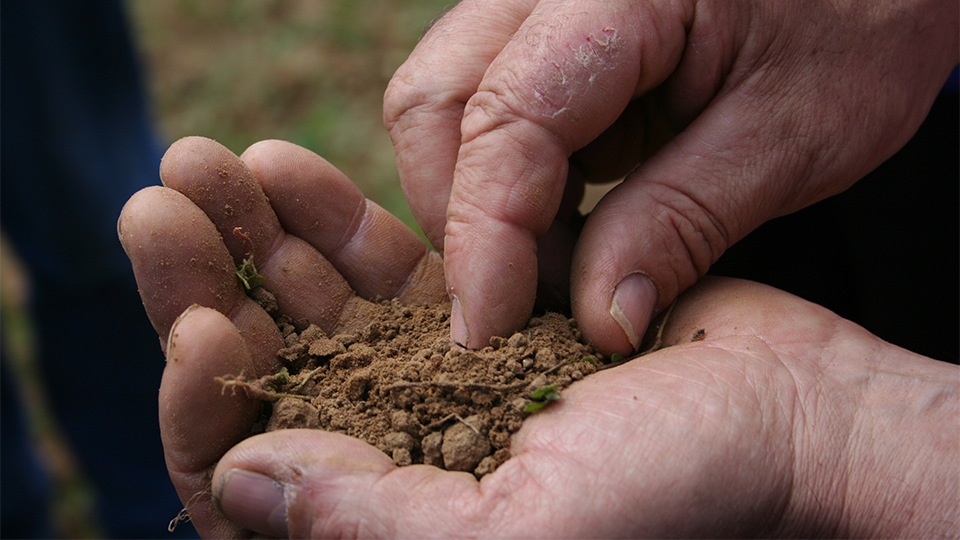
633 301
253 501
458 326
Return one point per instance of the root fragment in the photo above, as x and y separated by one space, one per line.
443 421
182 517
256 389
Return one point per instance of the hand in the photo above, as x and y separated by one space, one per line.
786 420
317 241
507 106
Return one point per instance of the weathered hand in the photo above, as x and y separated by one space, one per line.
786 420
507 106
316 240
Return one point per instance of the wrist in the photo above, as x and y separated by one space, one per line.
904 473
878 447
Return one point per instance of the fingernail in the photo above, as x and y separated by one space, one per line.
253 501
169 346
633 301
458 326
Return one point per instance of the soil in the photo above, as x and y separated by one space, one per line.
400 384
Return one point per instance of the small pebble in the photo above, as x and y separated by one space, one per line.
431 449
487 465
346 339
311 333
463 448
399 439
546 358
517 341
402 457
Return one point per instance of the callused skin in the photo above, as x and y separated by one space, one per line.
785 420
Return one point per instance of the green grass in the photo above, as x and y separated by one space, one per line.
307 71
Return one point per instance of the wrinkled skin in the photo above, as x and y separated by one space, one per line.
786 420
740 111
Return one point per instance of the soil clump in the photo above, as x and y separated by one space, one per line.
399 384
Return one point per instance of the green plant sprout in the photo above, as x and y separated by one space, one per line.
542 397
588 359
247 271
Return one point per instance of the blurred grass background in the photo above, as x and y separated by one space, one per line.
312 72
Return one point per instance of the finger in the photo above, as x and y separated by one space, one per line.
199 421
346 487
308 288
655 234
423 104
567 76
373 250
179 260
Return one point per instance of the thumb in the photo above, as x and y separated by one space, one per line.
315 484
739 164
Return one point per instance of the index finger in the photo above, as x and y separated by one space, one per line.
567 75
423 104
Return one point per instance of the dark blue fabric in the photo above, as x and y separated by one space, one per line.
24 486
76 138
77 142
952 86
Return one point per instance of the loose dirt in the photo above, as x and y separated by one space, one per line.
400 384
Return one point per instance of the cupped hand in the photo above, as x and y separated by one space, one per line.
783 420
507 106
317 241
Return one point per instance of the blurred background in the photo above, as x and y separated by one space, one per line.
312 72
309 71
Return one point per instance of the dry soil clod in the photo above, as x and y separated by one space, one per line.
400 385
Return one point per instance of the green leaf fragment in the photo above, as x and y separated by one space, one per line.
535 406
247 272
542 397
545 392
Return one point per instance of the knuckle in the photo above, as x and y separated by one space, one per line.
403 94
702 236
488 110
